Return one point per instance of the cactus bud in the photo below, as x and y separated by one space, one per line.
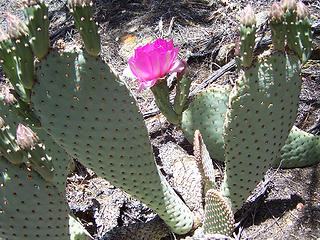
288 5
8 97
16 27
276 13
248 17
26 138
302 11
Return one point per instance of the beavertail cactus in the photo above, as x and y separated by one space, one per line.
32 208
250 127
8 145
276 23
218 213
207 113
85 109
98 130
71 105
253 121
30 190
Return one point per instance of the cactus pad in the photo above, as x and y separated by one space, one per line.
206 113
88 112
218 214
30 208
204 163
52 152
82 12
263 107
38 24
302 149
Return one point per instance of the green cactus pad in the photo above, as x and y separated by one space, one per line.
182 93
25 113
8 146
263 108
59 158
305 37
204 162
292 31
30 208
247 35
83 19
38 24
40 162
7 61
24 61
219 218
206 113
53 153
302 149
87 111
214 141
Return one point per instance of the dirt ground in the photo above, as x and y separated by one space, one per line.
286 205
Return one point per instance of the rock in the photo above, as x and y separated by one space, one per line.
225 53
186 178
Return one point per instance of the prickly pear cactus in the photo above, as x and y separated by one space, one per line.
303 150
36 14
300 149
218 214
82 105
260 112
206 113
33 189
102 127
31 208
47 153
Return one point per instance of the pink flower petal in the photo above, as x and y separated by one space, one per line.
154 61
177 66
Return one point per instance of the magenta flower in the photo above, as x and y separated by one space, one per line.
154 61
